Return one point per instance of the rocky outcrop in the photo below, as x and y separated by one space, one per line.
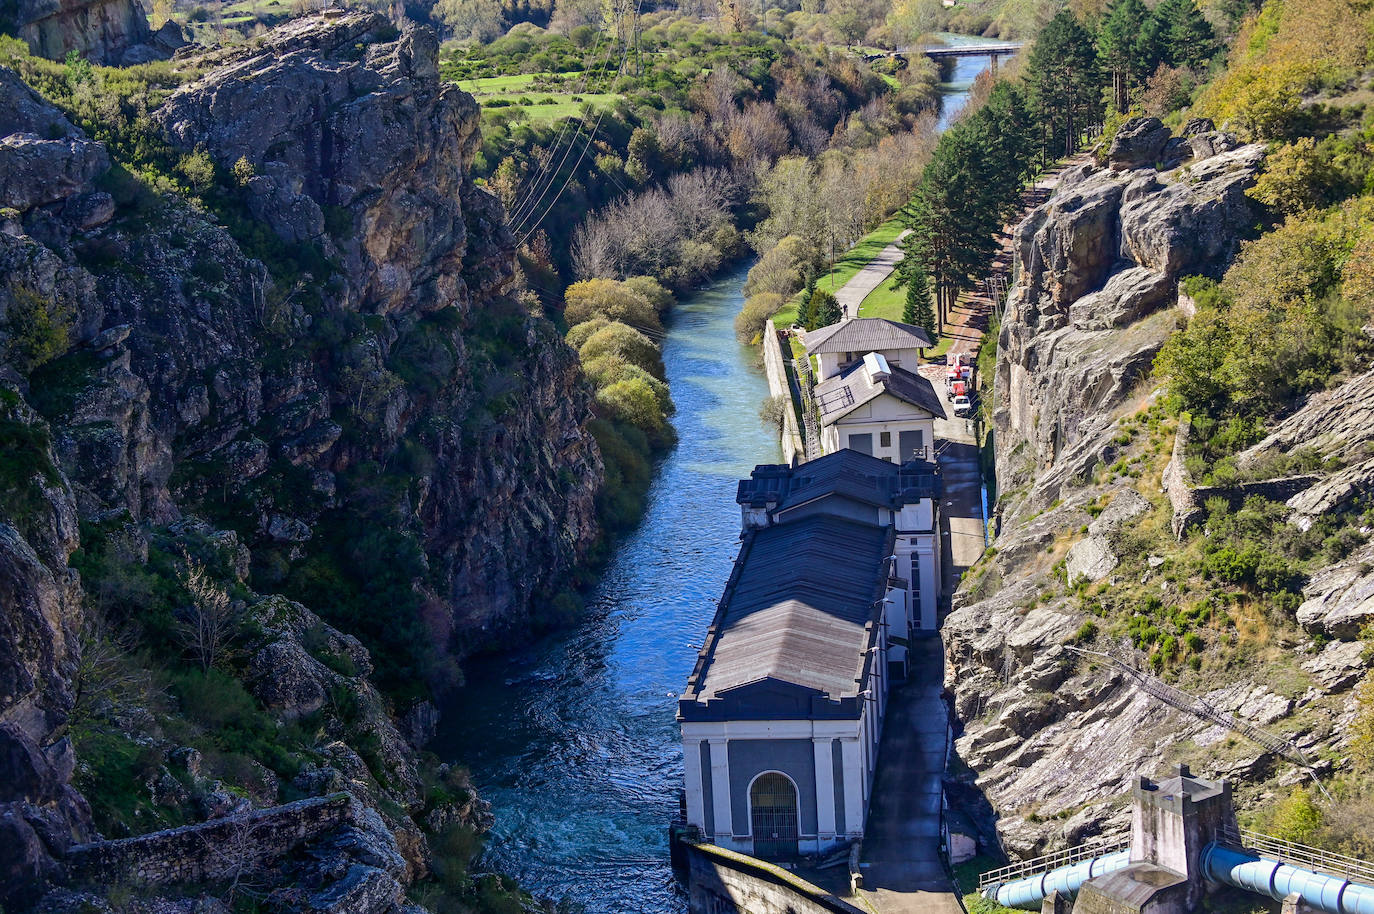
98 30
1052 737
1099 266
342 378
1139 141
1339 601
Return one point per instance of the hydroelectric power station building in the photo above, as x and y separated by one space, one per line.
783 711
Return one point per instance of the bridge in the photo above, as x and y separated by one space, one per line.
969 50
944 52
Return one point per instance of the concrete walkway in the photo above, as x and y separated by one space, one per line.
852 293
902 872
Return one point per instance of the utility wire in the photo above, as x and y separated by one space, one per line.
521 211
567 181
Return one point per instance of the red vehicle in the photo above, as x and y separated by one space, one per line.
957 389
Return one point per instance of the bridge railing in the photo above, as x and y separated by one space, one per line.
1050 861
1301 855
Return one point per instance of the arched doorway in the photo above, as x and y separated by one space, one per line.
773 815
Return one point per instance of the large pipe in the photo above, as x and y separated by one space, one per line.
1245 870
1028 891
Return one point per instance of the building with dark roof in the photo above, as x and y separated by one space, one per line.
840 345
782 713
878 409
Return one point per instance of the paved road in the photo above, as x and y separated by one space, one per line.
961 507
902 872
852 293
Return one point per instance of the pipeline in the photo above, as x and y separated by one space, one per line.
1029 891
1244 870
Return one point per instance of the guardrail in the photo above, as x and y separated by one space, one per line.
1312 858
1050 861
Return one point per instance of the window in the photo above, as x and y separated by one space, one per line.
885 439
911 444
862 443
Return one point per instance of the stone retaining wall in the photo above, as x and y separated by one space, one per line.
775 367
1187 499
724 882
211 851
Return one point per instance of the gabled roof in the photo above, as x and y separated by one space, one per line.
839 396
865 334
845 473
801 608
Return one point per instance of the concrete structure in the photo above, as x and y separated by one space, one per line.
878 409
841 345
724 882
784 709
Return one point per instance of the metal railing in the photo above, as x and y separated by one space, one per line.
1301 855
811 420
1050 861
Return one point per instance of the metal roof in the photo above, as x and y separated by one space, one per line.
846 473
801 609
865 334
840 395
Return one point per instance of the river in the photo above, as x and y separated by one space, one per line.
573 740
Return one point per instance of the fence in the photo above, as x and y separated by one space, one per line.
1050 862
1312 858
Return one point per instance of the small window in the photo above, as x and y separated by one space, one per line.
885 439
887 460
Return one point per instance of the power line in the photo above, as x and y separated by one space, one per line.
522 209
567 181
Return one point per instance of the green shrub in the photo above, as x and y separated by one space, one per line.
38 329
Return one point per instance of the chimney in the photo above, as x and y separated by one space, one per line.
876 366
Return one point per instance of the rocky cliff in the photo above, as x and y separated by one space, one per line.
312 379
1086 558
102 31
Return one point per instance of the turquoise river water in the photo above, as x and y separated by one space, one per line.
573 739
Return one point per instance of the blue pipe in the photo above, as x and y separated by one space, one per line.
1244 870
1029 891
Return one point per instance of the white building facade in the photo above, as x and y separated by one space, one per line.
783 712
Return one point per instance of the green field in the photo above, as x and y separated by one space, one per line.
542 97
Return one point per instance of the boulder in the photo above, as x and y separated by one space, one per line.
1191 224
1206 145
1090 559
1339 600
1339 666
1139 141
1127 296
97 30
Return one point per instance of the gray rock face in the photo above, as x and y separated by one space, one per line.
1126 297
400 213
1100 262
1190 225
1139 141
98 30
1053 735
191 378
1339 600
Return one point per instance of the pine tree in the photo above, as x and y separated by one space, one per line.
1118 40
825 310
1192 43
1065 81
917 311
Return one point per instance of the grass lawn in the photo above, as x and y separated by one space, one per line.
544 104
849 263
